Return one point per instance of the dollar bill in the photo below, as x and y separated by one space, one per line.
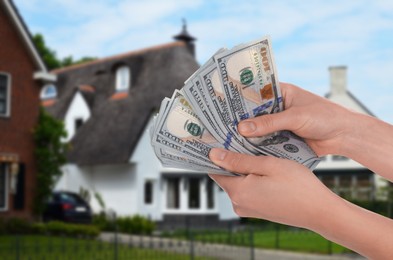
182 126
175 160
231 86
249 80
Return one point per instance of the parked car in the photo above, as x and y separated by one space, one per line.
68 207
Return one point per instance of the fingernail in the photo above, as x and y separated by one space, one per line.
218 154
247 127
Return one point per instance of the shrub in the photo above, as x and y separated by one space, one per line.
38 228
2 226
75 230
102 222
22 226
135 225
17 226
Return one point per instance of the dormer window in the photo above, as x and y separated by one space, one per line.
123 78
49 91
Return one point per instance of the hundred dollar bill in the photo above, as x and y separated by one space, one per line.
181 125
156 118
232 86
249 80
198 100
175 156
215 98
169 145
174 160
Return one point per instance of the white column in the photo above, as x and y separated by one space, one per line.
203 193
183 193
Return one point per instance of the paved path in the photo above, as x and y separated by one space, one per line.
218 251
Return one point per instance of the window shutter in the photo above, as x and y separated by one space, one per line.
19 197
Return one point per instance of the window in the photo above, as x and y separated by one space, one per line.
4 95
193 193
78 123
123 78
172 198
3 187
148 192
48 91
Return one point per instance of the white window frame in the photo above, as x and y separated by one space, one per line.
8 108
6 183
43 90
183 198
123 78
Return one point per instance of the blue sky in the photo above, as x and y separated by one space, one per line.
308 36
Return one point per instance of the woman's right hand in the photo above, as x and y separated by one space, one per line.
323 124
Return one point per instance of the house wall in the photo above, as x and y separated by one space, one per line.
116 184
16 131
78 109
149 167
340 166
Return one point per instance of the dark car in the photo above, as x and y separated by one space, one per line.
68 207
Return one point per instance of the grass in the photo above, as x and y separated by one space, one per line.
298 240
51 247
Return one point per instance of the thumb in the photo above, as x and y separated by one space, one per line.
241 163
266 124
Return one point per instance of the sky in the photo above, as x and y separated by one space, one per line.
307 36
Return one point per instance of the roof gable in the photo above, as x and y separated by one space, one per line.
23 31
112 132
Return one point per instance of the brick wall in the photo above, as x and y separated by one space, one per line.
16 131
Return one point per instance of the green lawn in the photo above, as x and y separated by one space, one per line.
299 240
42 247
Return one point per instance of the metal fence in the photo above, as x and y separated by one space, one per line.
234 242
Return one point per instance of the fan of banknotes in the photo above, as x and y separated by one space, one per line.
231 86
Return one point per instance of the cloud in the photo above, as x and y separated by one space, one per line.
308 36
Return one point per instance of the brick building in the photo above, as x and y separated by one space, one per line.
22 74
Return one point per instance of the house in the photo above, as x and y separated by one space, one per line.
22 74
107 106
346 177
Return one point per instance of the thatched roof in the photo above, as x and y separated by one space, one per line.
115 126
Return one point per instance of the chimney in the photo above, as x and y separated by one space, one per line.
187 38
338 80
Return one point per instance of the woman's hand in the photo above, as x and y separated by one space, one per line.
275 189
284 191
323 124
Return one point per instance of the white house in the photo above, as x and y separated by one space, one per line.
346 177
107 106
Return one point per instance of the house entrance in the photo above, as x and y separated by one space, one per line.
189 194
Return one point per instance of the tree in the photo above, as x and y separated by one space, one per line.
48 55
50 154
50 58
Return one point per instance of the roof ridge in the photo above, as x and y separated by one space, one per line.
117 56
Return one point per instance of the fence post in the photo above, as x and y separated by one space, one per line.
17 247
116 243
191 238
252 247
277 236
229 237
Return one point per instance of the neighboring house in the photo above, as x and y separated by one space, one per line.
346 177
107 106
22 74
